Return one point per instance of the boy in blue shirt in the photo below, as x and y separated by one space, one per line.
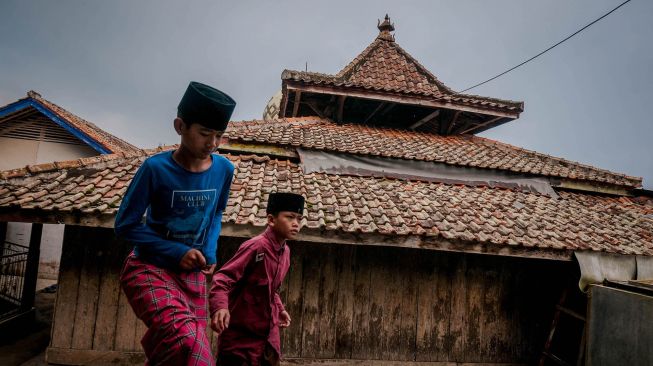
183 193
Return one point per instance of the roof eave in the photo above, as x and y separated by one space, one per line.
56 118
401 98
309 235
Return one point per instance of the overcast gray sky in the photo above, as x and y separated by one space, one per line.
124 64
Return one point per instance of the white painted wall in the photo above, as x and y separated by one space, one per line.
51 243
16 153
52 151
19 233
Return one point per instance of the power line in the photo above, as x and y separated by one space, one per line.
548 49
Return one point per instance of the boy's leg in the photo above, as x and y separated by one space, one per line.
173 306
231 360
269 357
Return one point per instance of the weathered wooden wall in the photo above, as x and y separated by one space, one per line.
347 302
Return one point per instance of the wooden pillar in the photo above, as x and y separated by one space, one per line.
3 236
341 107
32 267
295 106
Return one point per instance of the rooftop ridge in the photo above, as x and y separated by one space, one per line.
67 115
31 169
529 162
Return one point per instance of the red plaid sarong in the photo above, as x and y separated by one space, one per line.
173 307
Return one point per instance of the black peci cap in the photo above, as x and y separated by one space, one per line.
206 105
285 201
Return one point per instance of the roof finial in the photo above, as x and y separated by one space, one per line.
385 28
33 94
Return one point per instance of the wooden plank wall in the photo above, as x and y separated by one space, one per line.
360 302
346 302
90 311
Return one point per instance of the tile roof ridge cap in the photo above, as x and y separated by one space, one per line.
63 164
443 88
398 130
288 73
48 104
248 156
351 66
103 140
305 119
158 149
455 94
278 121
559 159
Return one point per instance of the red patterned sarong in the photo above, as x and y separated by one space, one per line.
173 307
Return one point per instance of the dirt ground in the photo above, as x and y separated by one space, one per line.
27 346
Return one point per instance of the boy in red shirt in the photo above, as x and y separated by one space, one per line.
246 309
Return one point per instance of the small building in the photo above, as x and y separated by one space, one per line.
33 131
423 244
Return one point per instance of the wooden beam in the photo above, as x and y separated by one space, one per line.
312 235
31 268
328 109
377 96
422 121
479 125
258 148
3 235
66 356
26 112
451 123
378 108
315 109
19 122
295 107
284 101
406 241
69 356
341 107
287 361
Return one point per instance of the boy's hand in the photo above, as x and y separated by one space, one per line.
208 270
284 318
192 259
220 320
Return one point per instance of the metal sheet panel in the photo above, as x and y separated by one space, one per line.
619 329
596 267
644 268
372 166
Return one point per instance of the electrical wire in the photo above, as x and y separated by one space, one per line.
548 49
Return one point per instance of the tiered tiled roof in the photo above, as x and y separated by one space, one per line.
470 151
384 66
495 218
110 142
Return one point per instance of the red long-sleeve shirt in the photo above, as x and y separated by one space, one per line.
247 285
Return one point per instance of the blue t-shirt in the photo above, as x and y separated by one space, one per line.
183 209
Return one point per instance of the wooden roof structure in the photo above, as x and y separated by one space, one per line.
35 117
386 86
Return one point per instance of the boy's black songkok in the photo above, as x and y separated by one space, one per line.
206 105
285 201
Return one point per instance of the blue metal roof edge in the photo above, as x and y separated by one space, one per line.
31 102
